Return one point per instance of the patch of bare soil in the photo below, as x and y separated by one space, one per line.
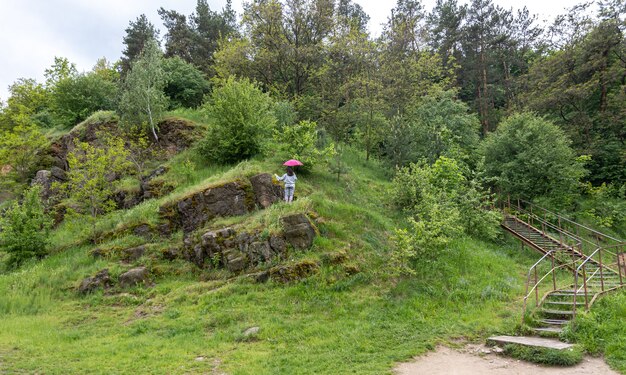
479 359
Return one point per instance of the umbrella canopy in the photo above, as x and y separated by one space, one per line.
292 163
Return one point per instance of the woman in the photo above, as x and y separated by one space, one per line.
290 183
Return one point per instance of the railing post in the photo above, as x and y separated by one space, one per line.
536 289
560 231
553 274
585 286
619 264
601 273
530 219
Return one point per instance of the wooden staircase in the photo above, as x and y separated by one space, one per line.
577 266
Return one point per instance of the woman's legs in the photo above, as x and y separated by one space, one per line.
289 193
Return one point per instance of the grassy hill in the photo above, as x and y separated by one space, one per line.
350 317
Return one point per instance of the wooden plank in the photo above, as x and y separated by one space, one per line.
540 342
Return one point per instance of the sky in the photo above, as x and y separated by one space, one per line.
33 32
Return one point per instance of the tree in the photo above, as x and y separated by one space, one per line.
529 157
299 141
185 85
143 102
91 177
25 228
138 34
443 126
76 97
21 148
27 100
242 118
195 39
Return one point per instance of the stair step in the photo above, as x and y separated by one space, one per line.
557 312
569 303
548 329
555 322
531 341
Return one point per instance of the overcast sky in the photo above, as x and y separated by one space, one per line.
33 32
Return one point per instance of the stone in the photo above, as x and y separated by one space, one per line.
261 277
143 230
265 191
102 279
133 277
299 231
278 244
46 179
260 251
133 253
170 254
252 331
294 272
235 261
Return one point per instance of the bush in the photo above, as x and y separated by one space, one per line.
25 228
544 356
441 204
529 157
299 142
185 85
241 119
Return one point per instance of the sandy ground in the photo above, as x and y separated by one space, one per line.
477 359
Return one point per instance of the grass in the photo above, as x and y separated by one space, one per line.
338 321
601 331
545 356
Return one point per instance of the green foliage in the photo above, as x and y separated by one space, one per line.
91 177
186 85
285 113
143 102
601 331
21 150
441 204
529 157
28 100
443 126
242 119
544 356
138 35
299 141
25 228
76 97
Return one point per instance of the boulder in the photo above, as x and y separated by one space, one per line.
46 179
99 280
294 272
229 199
265 191
133 277
133 253
299 231
278 244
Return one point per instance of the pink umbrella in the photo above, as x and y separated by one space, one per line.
292 163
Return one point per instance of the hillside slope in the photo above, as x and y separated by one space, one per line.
349 317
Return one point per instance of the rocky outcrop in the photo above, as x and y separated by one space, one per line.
237 251
102 279
288 272
134 277
266 193
299 231
227 199
46 179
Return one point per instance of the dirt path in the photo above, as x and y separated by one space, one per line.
477 359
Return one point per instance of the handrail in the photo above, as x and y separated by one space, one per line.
601 266
552 226
572 222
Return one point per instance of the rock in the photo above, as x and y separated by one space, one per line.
58 174
133 253
252 331
46 179
235 261
294 272
100 280
278 245
133 277
224 200
265 192
143 230
299 231
260 277
170 254
260 251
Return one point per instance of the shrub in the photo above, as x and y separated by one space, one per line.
529 157
299 142
441 204
241 119
25 228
